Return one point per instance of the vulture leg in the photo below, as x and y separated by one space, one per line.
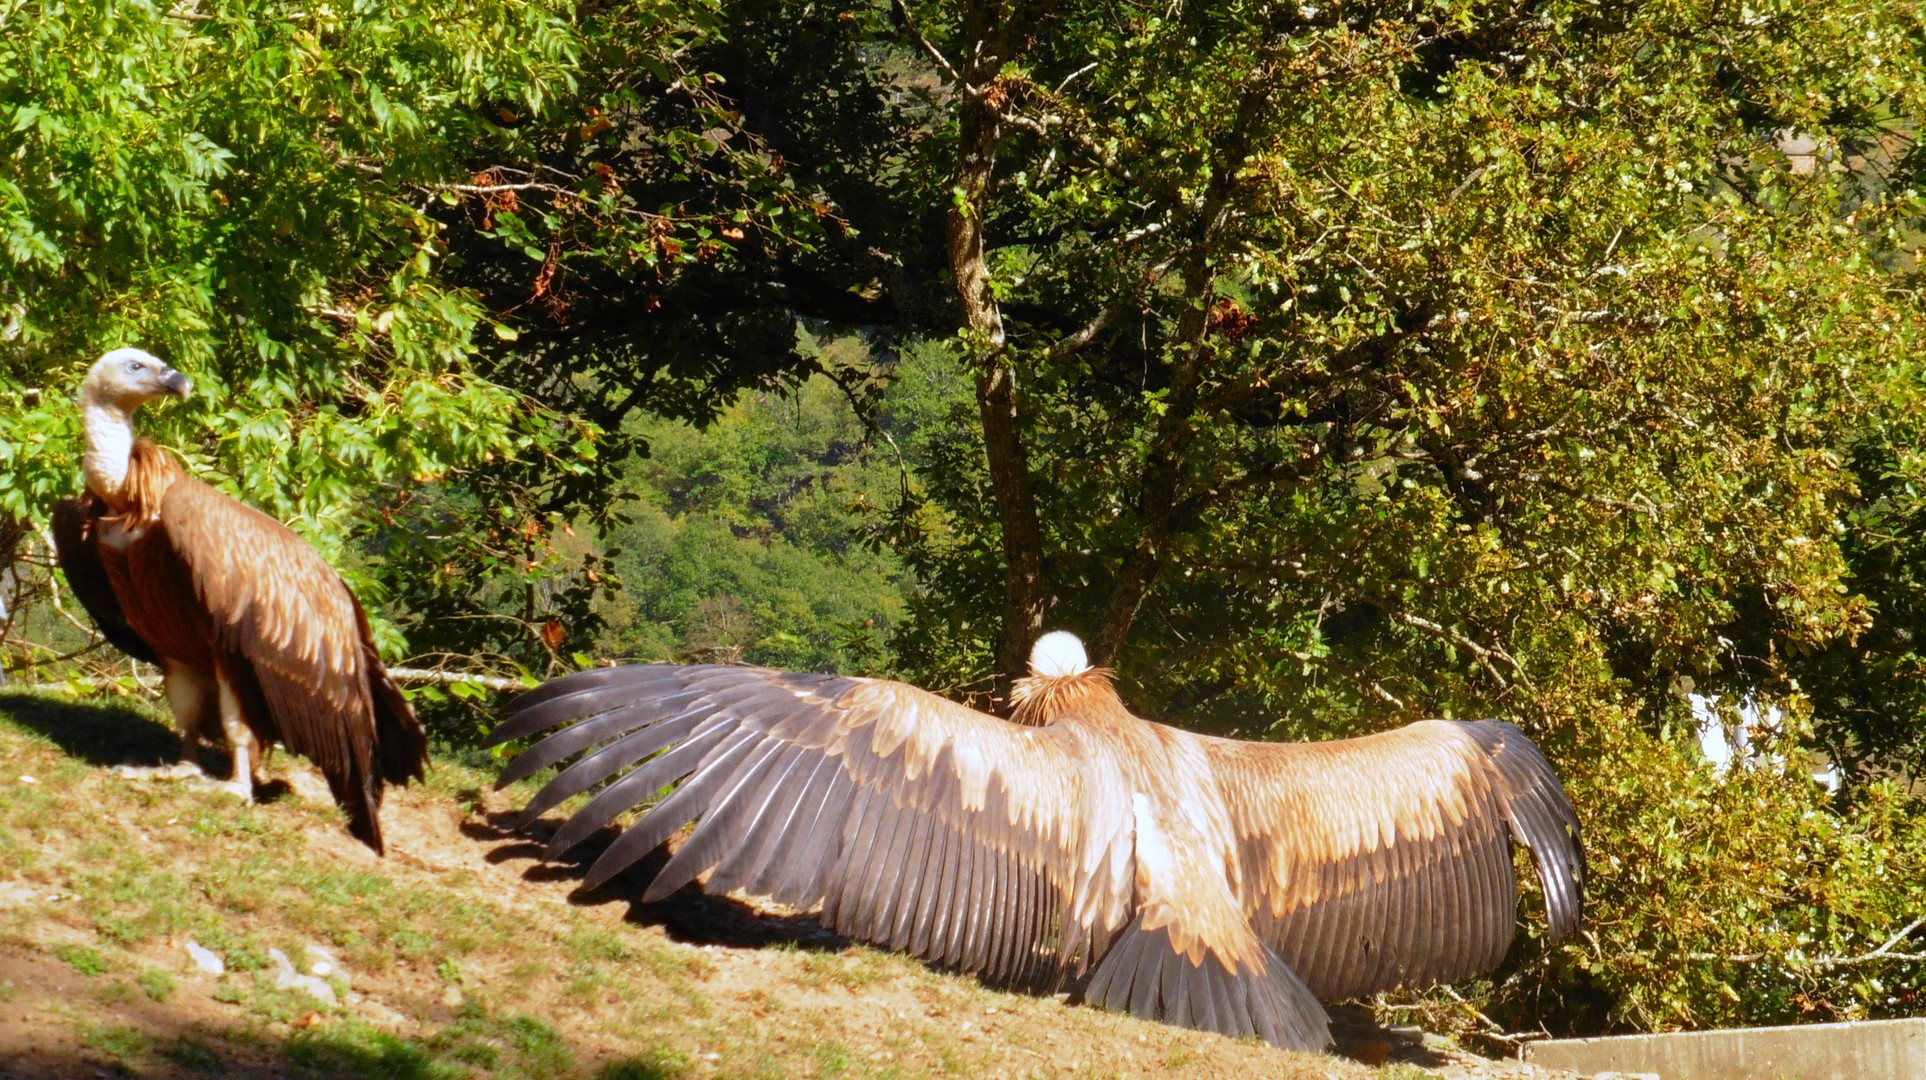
247 750
188 695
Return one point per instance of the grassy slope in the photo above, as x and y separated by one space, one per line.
469 958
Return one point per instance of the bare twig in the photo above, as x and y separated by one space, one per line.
1827 963
1066 346
872 427
909 24
1085 336
45 660
490 189
430 677
1492 1030
1484 654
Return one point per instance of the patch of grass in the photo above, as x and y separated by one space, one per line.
948 1060
694 1000
475 1053
766 1068
15 857
82 959
280 1006
354 1050
243 952
584 980
539 1044
654 1064
118 1041
589 943
852 969
117 992
191 1053
832 1059
673 962
132 902
8 991
156 983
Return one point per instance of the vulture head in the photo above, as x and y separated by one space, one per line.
126 379
1062 681
117 384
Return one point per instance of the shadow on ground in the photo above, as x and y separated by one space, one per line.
107 734
692 916
50 1030
688 915
98 734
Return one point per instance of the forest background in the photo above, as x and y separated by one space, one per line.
1325 366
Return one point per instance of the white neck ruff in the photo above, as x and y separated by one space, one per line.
110 442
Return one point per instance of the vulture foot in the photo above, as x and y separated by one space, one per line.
240 789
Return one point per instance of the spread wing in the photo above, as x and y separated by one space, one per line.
279 606
917 823
1370 863
73 525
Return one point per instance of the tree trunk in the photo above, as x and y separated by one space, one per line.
986 27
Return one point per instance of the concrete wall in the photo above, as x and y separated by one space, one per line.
1872 1050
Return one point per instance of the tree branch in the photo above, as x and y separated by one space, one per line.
909 26
408 676
1482 653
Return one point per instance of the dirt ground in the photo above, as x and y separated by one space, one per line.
462 954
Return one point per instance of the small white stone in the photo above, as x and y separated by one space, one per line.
206 960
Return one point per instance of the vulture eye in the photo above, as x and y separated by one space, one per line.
134 365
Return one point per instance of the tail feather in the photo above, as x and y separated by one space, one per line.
1142 974
363 804
400 740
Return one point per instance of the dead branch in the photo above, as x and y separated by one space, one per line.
430 677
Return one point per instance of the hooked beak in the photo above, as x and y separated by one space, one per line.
177 384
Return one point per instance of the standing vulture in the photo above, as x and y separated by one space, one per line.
246 621
1222 885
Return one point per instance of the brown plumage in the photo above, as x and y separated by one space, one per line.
249 625
1216 884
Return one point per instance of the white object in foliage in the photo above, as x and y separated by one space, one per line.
1722 746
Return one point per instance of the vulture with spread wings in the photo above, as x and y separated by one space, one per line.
250 627
1216 884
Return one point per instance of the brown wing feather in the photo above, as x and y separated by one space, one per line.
1370 863
1022 854
277 605
76 544
917 823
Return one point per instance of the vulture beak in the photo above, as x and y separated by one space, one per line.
177 384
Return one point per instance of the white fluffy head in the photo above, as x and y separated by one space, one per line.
1058 654
128 378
